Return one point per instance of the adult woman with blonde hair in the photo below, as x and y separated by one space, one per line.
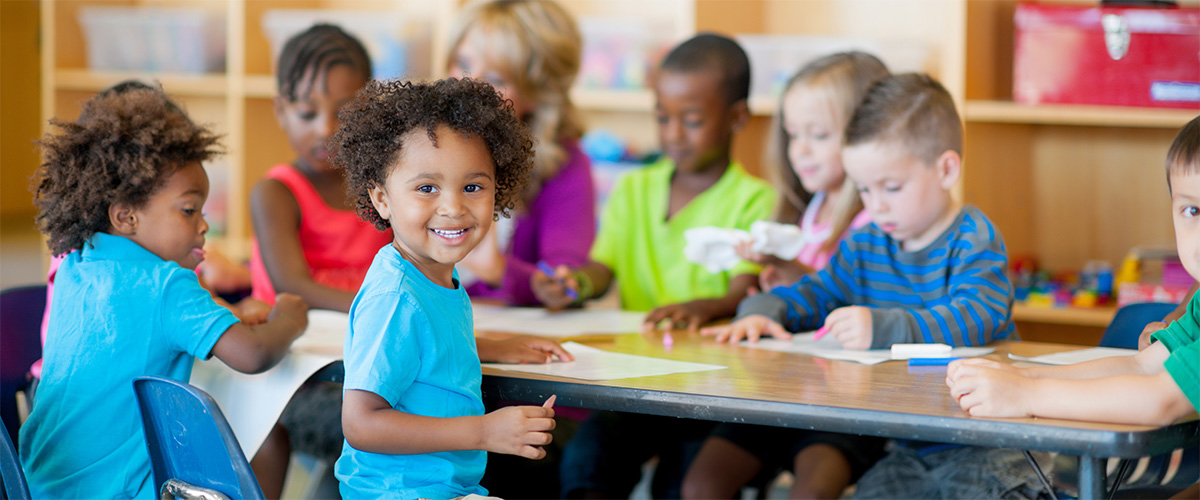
530 50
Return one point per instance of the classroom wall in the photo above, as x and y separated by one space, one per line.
20 98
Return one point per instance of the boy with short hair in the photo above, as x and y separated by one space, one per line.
701 91
1159 385
927 269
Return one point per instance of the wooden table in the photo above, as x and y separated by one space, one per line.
793 390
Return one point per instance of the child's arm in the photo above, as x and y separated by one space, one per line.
520 349
1144 338
371 424
1147 362
254 349
590 281
697 312
1127 398
276 217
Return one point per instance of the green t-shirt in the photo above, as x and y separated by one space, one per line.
644 250
1182 339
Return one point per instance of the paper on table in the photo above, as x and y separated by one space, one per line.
829 348
326 332
1079 356
569 323
253 403
594 364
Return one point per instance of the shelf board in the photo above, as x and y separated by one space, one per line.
1081 316
1076 114
199 84
636 100
260 86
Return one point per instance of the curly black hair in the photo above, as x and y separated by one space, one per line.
376 122
125 144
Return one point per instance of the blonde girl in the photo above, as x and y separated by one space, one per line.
815 192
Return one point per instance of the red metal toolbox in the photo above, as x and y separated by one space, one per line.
1107 55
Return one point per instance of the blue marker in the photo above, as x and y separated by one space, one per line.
549 272
930 361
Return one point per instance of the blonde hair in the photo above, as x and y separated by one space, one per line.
843 78
537 46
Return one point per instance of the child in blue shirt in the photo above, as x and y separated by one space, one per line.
122 189
436 163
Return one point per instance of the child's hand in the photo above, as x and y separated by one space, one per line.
292 308
519 430
751 328
1144 338
782 273
552 290
987 392
693 314
251 311
954 366
521 349
851 326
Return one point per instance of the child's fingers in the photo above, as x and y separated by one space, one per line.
753 331
776 330
550 347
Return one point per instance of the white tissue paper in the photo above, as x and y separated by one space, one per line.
712 247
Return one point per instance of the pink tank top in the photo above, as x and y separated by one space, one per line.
337 245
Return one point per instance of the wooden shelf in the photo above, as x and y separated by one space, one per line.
637 100
1076 114
1080 316
199 85
260 86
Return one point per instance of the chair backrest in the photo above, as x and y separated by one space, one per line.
21 335
190 440
11 474
1129 321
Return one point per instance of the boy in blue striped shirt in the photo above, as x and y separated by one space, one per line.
927 269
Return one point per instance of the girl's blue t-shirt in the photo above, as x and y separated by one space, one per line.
119 312
412 342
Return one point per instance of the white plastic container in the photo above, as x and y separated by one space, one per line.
399 45
163 39
775 58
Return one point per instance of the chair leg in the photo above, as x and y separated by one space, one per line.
1040 474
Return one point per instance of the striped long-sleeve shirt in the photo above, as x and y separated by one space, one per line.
954 291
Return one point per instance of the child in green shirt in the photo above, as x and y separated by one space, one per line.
701 97
701 94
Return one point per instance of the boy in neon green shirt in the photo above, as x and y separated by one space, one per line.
701 101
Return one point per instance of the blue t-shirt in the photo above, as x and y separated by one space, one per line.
119 312
412 342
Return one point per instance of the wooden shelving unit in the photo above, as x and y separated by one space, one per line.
1064 184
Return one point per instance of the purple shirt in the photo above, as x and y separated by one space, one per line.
557 228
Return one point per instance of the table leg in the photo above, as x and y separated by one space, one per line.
1091 477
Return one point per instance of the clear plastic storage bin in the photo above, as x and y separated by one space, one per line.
162 39
399 45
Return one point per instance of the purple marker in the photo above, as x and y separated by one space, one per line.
549 272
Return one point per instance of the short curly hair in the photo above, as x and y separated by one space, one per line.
383 113
125 144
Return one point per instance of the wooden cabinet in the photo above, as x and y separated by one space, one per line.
1065 184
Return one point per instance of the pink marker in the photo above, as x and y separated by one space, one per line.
821 333
668 340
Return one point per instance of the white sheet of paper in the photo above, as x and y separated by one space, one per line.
829 348
326 332
1079 356
253 403
569 323
594 364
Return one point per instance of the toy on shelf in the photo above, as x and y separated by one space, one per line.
1152 275
1090 287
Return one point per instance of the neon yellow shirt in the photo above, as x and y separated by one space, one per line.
644 250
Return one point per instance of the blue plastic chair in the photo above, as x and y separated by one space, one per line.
1129 321
11 474
21 335
190 442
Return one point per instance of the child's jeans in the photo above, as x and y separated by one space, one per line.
962 472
